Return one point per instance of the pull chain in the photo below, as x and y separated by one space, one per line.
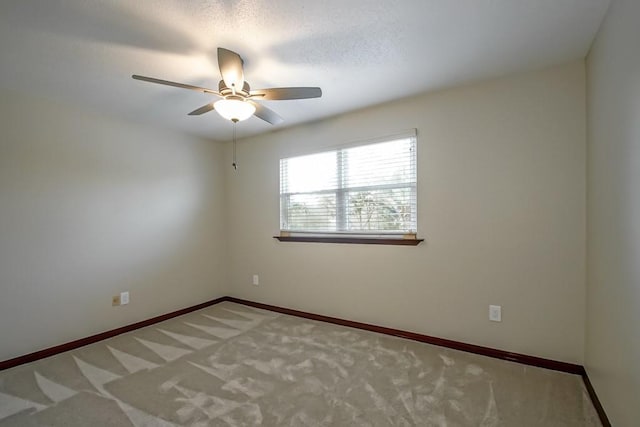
234 164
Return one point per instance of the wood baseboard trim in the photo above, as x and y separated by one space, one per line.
596 402
52 351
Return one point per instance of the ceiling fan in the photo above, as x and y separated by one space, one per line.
238 100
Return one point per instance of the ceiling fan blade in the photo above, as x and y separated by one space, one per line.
202 110
174 84
281 93
266 114
231 68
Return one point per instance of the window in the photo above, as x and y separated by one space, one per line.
365 191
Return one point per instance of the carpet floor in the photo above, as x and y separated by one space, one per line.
233 365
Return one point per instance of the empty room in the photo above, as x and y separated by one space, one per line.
319 213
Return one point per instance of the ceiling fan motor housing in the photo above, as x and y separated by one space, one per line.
226 91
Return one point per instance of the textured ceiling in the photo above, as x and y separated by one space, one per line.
360 52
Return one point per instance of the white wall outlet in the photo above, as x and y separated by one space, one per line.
124 298
495 313
256 280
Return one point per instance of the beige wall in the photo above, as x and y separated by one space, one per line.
501 196
91 206
613 289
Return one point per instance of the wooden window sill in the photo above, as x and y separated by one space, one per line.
352 240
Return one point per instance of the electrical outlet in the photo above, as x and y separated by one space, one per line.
495 313
124 298
115 300
256 280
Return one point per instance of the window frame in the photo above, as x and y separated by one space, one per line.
393 237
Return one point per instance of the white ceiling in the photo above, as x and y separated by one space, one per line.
360 52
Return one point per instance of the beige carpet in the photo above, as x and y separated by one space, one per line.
231 365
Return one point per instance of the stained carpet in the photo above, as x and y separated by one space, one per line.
232 365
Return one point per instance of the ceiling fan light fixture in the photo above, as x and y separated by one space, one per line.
234 109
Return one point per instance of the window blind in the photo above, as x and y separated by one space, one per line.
363 189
